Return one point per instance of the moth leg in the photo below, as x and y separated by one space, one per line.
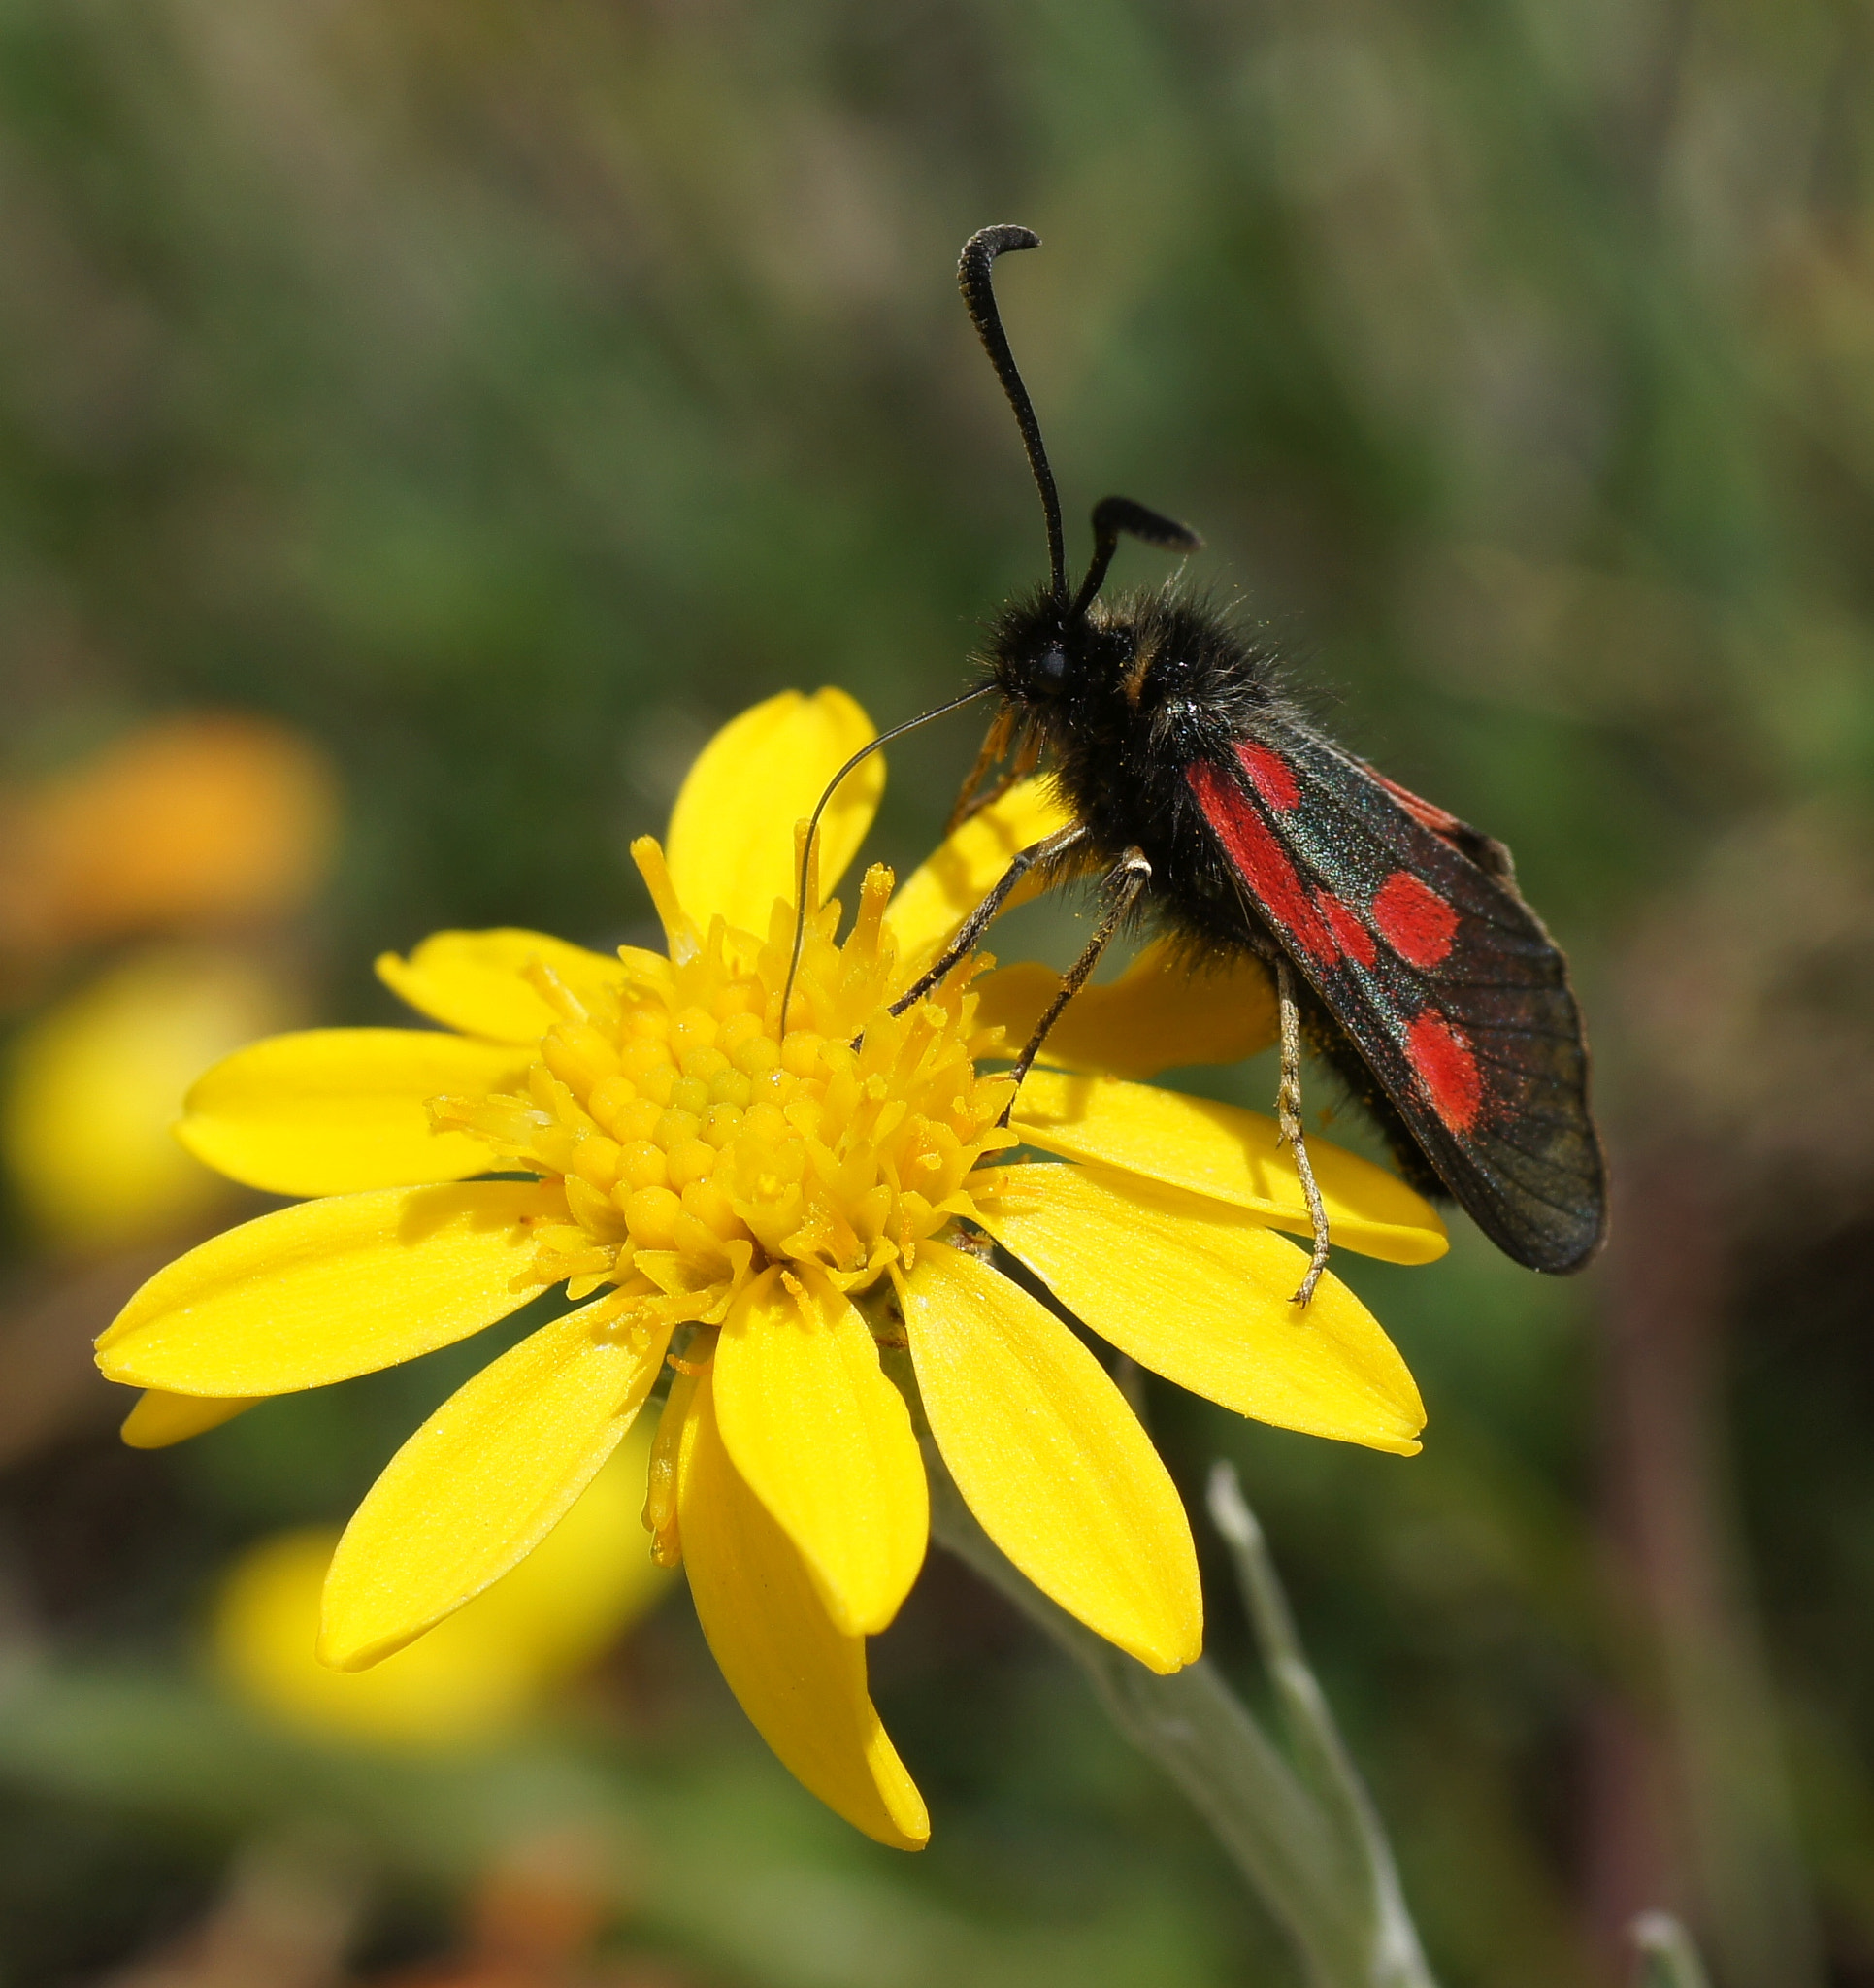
1124 884
977 922
1002 729
1288 1119
972 802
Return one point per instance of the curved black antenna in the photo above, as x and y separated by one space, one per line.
820 807
973 276
1112 516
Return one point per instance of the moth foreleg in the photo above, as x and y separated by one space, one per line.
1288 1119
975 796
977 922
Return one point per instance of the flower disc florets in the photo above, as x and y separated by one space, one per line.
697 1142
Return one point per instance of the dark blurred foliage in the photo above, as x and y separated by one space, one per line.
504 395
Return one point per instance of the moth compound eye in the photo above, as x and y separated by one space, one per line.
1051 668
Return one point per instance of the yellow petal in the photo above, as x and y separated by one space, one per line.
337 1110
1160 1012
1203 1295
954 880
825 1441
326 1290
801 1681
483 1481
1051 1460
1231 1157
160 1419
571 1596
731 845
472 1677
473 980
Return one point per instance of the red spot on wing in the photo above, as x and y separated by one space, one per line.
1443 1061
1261 860
1427 813
1271 775
1413 919
1350 935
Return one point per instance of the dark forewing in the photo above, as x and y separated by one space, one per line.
1454 995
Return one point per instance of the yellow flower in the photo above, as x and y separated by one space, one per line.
90 1090
474 1676
795 1223
204 819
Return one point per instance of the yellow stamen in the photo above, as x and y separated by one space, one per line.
679 933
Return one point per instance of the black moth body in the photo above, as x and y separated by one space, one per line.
1221 814
1168 734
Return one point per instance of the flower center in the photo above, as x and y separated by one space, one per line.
697 1142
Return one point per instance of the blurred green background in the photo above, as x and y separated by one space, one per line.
499 397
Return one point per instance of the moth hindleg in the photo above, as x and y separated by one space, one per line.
1288 1118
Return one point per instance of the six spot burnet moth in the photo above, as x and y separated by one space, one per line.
1202 799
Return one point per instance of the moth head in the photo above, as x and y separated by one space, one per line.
1041 677
1034 655
1046 662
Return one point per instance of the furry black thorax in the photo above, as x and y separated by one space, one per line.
1123 699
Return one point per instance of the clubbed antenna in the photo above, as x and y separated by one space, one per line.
1112 516
979 253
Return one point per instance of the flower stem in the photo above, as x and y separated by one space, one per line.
1667 1957
1316 1739
1304 1832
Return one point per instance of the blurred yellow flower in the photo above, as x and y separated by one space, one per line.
479 1673
193 821
777 1217
92 1089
